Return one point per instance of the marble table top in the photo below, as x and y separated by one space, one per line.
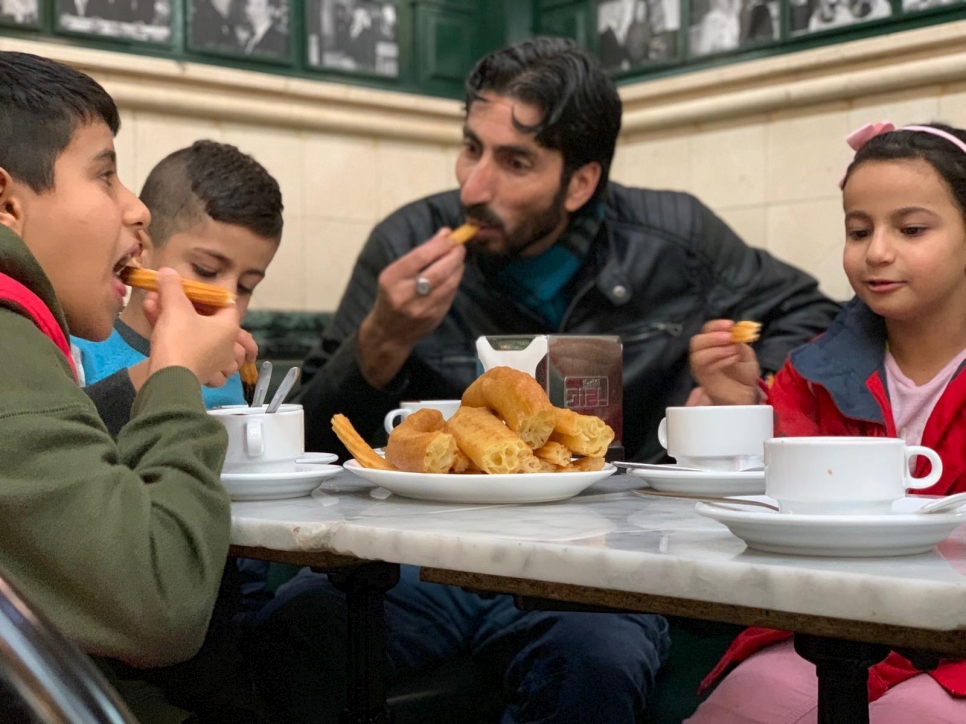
610 537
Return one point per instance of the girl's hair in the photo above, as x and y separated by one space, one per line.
945 157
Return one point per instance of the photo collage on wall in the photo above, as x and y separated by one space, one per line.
348 36
635 34
22 13
145 20
353 35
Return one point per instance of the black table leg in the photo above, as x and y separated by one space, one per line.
843 676
365 589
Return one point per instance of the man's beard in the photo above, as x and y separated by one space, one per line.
530 232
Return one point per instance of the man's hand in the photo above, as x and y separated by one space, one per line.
400 316
726 372
213 347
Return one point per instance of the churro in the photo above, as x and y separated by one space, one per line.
583 434
206 298
464 233
418 444
359 448
518 399
745 332
490 444
249 378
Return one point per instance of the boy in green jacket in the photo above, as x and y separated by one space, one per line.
121 543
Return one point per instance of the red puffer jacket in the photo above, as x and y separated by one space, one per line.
836 385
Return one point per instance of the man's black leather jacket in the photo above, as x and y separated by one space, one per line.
661 266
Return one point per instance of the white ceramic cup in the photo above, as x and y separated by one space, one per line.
259 442
405 409
842 475
720 438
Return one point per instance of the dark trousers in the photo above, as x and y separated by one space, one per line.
557 667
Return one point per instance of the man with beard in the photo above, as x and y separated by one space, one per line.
559 250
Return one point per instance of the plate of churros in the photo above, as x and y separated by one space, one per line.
505 444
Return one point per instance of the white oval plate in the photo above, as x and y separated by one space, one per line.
675 480
901 533
482 489
277 486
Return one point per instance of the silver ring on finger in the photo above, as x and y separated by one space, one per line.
423 287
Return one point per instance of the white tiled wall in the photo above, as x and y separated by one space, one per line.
334 188
775 179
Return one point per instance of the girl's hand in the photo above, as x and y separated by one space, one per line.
727 372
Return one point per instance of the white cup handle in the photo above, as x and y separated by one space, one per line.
254 441
934 474
662 433
390 422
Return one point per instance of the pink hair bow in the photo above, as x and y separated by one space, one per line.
859 137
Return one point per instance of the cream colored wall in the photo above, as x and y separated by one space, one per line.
769 162
762 143
344 157
335 187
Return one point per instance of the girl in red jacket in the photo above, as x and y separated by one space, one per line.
889 366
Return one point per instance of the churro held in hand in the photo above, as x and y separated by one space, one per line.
518 399
359 448
490 444
745 332
583 434
418 444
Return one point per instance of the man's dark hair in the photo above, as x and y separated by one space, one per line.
581 108
948 159
213 179
42 104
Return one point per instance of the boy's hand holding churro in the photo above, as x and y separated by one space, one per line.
213 347
723 364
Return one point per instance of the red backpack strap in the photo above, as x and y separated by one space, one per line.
31 306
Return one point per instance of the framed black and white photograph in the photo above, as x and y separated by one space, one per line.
358 36
20 13
715 26
145 20
914 5
636 33
253 28
812 16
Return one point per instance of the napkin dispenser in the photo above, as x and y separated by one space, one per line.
583 373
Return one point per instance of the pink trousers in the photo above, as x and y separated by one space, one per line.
777 686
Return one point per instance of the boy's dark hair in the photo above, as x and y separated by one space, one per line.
42 104
213 179
940 153
581 108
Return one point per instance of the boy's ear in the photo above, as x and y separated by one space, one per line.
11 208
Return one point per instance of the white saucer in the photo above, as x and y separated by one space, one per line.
276 486
482 488
314 458
900 533
675 480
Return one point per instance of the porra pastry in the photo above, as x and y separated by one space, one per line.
490 444
554 452
419 445
583 434
518 399
745 332
583 465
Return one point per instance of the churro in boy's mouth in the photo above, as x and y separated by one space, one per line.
205 297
